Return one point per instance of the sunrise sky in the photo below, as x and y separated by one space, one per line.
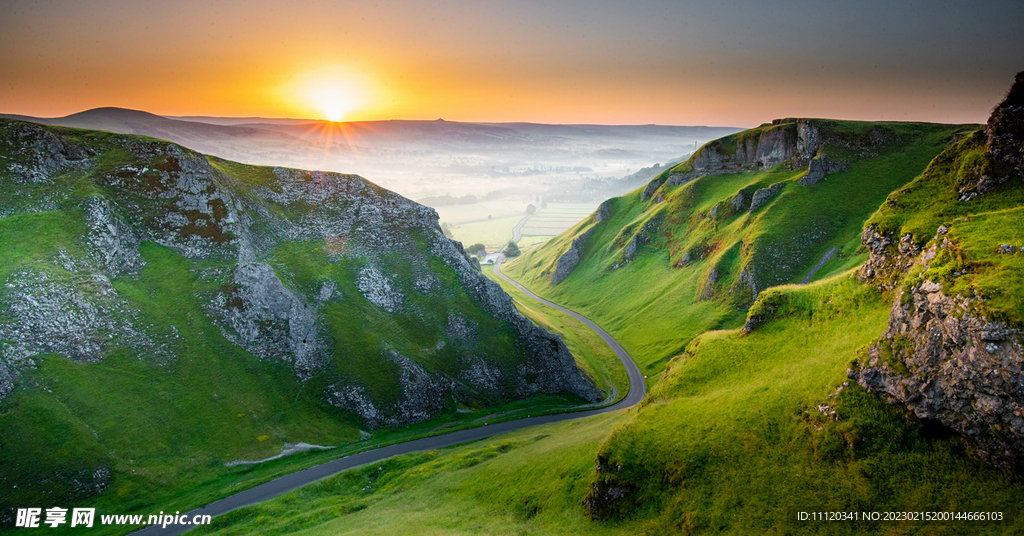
715 62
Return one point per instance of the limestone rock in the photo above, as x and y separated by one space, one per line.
762 196
818 168
257 312
568 261
793 140
740 202
1005 135
68 315
651 188
604 210
946 362
887 261
644 236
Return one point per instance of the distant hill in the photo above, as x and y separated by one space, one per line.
440 133
224 141
423 158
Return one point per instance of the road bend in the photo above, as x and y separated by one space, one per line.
273 488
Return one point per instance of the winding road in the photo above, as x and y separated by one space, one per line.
517 231
268 490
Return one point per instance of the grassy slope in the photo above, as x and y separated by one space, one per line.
593 355
756 450
527 482
654 309
729 442
731 439
165 427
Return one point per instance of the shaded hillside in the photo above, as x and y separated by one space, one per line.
161 306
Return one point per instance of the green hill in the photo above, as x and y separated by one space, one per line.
829 313
775 371
164 312
782 203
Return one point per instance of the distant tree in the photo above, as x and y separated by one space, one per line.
544 204
477 249
446 230
489 216
530 209
511 249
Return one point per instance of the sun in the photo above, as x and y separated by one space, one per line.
333 92
335 98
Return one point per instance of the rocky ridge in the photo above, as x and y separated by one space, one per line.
146 190
945 360
567 261
947 355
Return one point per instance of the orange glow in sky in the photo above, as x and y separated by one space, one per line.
331 93
703 62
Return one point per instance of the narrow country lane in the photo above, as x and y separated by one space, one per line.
269 490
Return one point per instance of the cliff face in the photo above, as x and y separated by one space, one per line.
943 356
567 261
953 348
254 237
947 362
784 140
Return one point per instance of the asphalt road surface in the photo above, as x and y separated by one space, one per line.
268 490
517 230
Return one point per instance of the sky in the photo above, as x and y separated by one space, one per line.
675 62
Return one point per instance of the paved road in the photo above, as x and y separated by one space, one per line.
268 490
637 385
516 234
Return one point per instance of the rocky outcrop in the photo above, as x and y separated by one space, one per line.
946 362
644 236
740 202
257 312
746 289
707 291
38 154
568 261
113 245
605 498
604 210
651 188
232 230
765 308
761 197
946 355
423 395
73 315
785 140
887 261
679 179
1004 135
818 168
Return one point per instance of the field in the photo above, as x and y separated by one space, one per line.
491 222
556 218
